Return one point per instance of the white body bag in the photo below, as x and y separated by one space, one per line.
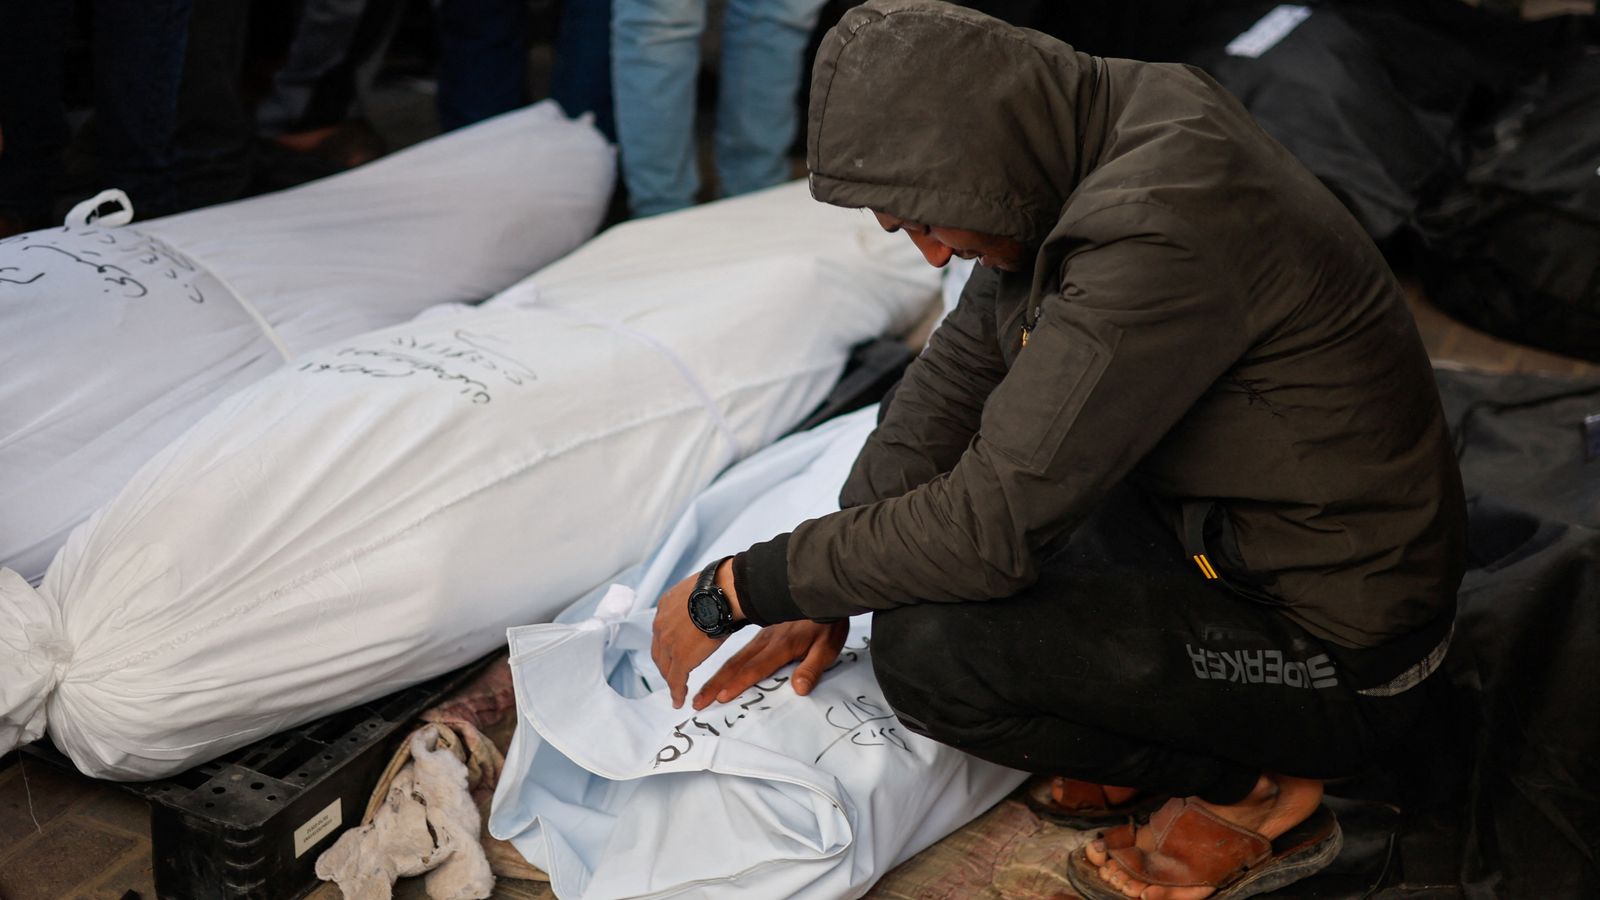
616 794
119 338
380 510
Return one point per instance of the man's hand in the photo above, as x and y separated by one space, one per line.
815 644
676 645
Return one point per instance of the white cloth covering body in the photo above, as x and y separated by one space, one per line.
120 338
381 510
616 794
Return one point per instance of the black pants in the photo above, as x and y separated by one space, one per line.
1123 666
169 125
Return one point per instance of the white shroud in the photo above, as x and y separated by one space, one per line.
120 338
802 797
380 510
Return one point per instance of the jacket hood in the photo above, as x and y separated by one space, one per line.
941 115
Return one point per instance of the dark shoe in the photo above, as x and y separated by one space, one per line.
345 145
291 160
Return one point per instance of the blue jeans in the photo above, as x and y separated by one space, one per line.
655 58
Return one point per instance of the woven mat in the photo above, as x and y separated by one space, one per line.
1007 853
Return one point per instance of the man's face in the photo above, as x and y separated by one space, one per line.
938 244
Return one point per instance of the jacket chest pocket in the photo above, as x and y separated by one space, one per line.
1046 386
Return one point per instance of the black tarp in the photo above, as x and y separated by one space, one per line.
1372 97
1326 92
1131 29
1524 674
1375 97
1514 249
1497 793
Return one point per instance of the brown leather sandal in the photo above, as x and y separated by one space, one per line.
1083 804
1195 847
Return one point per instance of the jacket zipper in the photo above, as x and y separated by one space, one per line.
1027 327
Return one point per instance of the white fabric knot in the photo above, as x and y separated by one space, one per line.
612 608
49 647
34 655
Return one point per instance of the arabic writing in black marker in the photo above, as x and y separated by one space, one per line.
848 655
472 349
863 723
123 279
392 364
670 752
755 700
5 280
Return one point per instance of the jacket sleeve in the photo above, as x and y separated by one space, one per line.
1143 325
935 409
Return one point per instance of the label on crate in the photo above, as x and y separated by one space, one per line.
317 827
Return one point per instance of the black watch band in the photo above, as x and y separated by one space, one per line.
709 608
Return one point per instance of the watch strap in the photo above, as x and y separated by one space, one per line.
707 584
708 575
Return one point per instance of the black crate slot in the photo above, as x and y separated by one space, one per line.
250 825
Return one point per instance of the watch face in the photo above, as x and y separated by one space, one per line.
704 610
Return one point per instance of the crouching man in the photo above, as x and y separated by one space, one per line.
1166 511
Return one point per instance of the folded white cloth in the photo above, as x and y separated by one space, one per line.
427 824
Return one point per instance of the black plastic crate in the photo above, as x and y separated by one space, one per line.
250 825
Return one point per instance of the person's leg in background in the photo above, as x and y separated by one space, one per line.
213 149
655 61
313 117
763 42
139 48
483 59
320 53
33 124
581 79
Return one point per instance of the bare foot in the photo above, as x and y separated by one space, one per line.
1276 804
1069 791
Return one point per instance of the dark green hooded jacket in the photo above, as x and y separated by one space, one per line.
1205 321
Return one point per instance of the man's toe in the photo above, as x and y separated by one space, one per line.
1096 852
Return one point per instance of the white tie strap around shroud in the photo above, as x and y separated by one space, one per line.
122 337
380 510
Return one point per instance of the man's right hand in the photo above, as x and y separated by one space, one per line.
815 644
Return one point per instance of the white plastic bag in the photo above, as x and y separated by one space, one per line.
769 795
380 510
117 339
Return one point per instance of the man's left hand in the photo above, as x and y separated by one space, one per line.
676 645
